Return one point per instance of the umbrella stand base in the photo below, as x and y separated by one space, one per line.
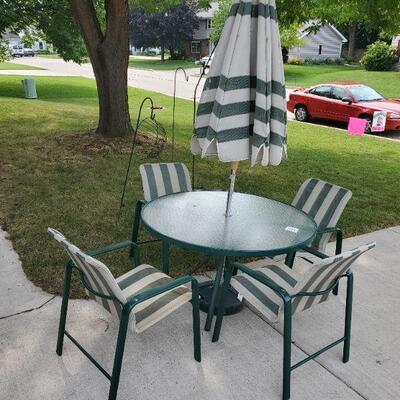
232 304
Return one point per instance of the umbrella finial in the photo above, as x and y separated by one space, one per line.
234 167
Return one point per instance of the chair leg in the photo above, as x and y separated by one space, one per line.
64 308
349 309
224 292
119 354
135 232
287 349
165 257
216 288
339 246
196 321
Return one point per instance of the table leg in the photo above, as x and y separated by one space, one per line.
217 283
166 258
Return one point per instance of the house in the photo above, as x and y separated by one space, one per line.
325 43
396 44
200 45
12 39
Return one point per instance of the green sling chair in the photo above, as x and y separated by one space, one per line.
324 202
276 290
158 179
139 298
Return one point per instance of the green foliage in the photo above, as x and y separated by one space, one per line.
290 36
379 57
4 52
219 19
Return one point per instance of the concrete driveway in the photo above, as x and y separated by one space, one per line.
244 364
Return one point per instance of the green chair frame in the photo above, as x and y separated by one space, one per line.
290 258
287 324
126 310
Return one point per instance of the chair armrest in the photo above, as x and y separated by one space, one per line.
112 247
339 237
264 280
314 252
148 294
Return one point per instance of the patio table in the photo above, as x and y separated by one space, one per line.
257 227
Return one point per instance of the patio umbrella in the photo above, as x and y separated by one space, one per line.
242 109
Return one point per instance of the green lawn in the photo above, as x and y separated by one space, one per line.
54 171
388 83
156 63
12 66
47 55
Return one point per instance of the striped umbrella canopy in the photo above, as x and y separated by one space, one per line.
242 109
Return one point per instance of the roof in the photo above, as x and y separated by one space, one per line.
9 35
305 32
208 13
341 83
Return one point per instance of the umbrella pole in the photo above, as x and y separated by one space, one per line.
234 167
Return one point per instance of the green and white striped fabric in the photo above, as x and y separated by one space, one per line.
142 278
318 278
161 179
324 202
146 314
242 111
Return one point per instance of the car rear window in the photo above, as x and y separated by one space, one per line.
364 93
323 91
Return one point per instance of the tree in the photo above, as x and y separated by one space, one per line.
169 30
372 14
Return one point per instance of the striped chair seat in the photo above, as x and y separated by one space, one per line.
146 314
161 179
317 277
99 279
260 297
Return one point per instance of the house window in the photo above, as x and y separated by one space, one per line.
195 47
320 49
209 24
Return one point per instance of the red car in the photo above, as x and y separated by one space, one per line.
341 100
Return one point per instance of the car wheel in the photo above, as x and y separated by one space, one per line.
368 127
301 113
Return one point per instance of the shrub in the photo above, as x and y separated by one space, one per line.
296 61
4 52
379 57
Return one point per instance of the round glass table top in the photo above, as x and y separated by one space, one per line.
257 227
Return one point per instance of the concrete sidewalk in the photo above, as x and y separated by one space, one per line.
244 364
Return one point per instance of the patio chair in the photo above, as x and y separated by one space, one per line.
139 299
276 290
158 179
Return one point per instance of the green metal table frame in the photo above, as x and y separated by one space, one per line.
196 221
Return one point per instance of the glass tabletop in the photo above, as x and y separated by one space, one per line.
257 227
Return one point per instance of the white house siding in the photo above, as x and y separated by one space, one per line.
202 32
326 37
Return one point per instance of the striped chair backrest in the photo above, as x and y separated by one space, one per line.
324 202
96 276
164 178
322 276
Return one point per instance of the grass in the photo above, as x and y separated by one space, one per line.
56 56
387 83
54 171
11 66
156 63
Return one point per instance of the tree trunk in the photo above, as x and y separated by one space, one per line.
352 41
162 53
109 55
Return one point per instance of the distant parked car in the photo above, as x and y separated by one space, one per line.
205 61
17 51
29 52
341 100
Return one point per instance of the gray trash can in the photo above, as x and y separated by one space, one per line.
29 85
